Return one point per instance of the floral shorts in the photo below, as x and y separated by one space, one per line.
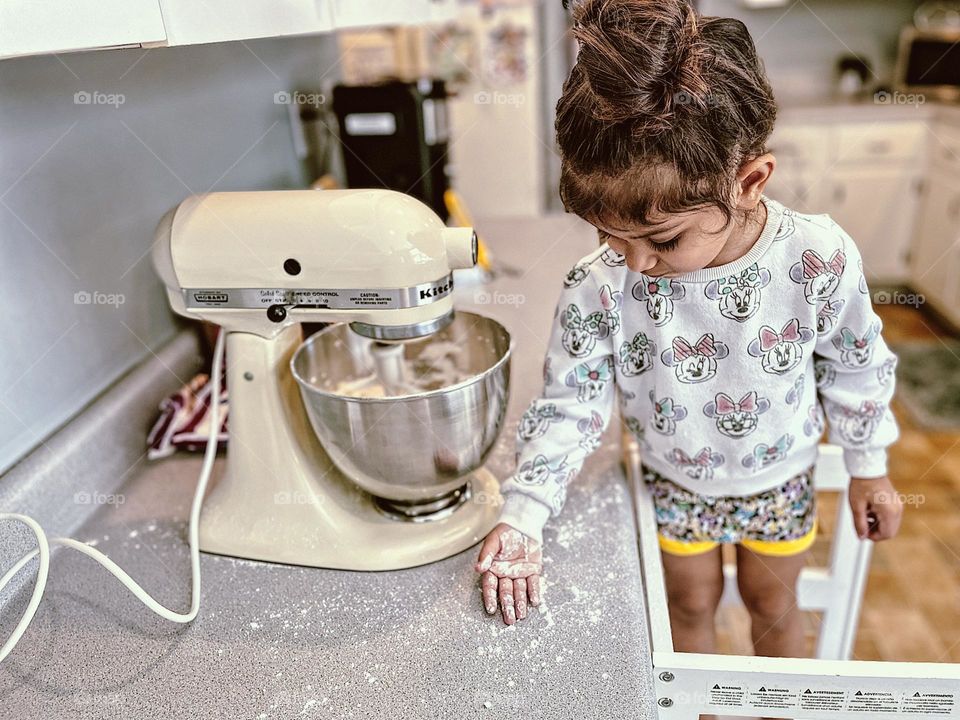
779 521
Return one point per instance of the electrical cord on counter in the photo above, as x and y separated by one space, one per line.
43 544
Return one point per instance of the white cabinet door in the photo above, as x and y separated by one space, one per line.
796 186
371 13
191 22
880 141
34 27
935 256
803 155
443 11
877 206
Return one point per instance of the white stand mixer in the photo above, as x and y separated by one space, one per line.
261 263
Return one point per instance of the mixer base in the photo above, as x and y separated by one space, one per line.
279 498
436 509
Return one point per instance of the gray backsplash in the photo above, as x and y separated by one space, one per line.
82 187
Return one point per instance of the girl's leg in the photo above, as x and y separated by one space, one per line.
694 585
768 584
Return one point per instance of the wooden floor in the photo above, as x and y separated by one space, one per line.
911 610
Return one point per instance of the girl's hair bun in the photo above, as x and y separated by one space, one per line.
661 108
641 59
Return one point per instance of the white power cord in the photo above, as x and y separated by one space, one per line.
43 545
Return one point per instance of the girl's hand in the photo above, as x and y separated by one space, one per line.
877 508
510 564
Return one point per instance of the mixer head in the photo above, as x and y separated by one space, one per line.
261 261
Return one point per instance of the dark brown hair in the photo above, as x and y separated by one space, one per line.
661 109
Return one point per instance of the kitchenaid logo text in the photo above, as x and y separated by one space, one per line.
437 291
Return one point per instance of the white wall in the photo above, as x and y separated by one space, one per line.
82 187
800 43
497 144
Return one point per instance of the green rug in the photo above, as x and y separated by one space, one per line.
928 382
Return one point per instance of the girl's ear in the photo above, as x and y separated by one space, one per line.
752 178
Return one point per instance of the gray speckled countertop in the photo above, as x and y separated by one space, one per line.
274 641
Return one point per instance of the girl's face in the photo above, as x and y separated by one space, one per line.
693 240
677 244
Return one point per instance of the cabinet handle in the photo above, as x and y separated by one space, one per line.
840 193
879 147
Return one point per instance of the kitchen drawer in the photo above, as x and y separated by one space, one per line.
945 147
806 144
869 142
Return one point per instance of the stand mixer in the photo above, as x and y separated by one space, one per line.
261 263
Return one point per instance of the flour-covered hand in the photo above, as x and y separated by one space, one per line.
510 564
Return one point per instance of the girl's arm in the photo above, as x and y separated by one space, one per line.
855 379
855 373
562 426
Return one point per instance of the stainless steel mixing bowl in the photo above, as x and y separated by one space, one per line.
416 450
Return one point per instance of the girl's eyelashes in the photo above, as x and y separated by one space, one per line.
666 245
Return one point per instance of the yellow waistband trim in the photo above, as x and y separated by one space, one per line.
762 547
679 547
783 547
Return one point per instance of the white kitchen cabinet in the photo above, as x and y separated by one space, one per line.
802 152
877 205
879 141
372 13
866 175
442 11
795 185
28 27
191 22
935 255
944 150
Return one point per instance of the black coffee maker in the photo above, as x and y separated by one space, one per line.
394 135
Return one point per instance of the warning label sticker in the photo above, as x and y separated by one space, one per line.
772 696
860 700
822 699
930 703
730 695
873 701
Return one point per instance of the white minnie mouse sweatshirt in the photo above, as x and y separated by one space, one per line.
725 374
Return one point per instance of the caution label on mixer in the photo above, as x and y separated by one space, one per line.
320 298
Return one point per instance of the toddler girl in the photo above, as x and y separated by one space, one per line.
732 329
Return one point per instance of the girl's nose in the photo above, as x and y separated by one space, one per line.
639 261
